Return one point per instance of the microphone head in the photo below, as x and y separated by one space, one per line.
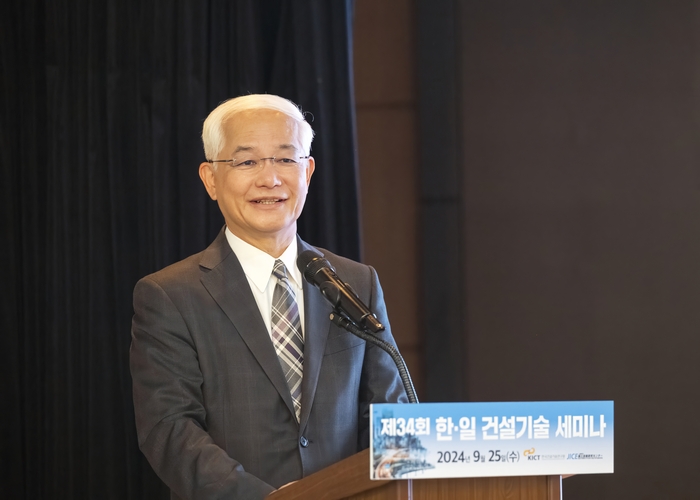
305 257
311 262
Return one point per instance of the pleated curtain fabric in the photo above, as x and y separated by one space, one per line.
100 122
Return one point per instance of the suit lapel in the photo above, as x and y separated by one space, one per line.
223 276
316 327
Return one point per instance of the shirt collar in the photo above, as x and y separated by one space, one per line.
257 265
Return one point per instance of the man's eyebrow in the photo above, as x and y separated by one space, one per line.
250 148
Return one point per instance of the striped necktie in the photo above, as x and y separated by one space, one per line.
286 333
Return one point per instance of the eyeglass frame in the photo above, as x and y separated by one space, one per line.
232 161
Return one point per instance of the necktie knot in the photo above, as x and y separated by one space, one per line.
280 271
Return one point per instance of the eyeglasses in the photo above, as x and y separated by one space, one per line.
250 164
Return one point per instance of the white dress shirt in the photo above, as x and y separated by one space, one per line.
257 266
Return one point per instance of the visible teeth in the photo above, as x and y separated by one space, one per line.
267 202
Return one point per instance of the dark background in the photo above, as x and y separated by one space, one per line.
103 104
573 199
528 192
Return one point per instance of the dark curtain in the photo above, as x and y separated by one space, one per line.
102 106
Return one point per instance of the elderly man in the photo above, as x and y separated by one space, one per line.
241 382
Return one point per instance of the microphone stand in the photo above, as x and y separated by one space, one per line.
344 323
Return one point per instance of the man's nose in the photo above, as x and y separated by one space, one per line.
268 174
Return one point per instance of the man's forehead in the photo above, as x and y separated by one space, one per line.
250 127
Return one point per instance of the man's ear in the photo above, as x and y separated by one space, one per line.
310 167
206 173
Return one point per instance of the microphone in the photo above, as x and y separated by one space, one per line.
320 273
350 313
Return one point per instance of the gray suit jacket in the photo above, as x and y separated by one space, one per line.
213 412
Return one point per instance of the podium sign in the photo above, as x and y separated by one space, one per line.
451 440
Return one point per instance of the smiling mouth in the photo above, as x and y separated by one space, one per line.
268 202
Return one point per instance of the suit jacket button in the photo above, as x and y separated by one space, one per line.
304 442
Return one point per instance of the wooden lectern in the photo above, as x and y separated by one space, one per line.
349 479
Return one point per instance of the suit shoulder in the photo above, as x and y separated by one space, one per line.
343 262
177 273
353 272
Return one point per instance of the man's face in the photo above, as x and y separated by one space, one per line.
260 205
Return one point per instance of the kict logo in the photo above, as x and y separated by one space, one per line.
529 452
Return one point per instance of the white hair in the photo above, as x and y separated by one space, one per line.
213 134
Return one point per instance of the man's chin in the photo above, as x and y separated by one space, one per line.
268 230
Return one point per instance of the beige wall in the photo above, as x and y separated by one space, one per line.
385 90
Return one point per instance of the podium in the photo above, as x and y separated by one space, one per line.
349 479
470 451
